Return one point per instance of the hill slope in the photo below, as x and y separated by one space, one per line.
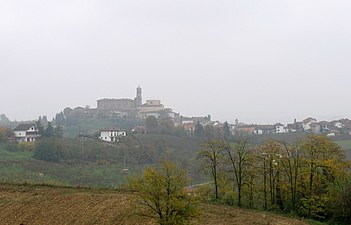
56 205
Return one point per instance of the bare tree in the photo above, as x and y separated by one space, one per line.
239 160
270 156
291 166
211 155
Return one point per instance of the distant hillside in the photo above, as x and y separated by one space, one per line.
346 146
23 204
96 163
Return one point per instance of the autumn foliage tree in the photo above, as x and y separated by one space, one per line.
2 134
322 163
162 195
310 177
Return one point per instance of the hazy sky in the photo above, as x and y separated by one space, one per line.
261 61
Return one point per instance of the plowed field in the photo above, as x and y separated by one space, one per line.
38 205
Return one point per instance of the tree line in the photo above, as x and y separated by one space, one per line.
309 177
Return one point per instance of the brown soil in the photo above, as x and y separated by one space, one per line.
31 205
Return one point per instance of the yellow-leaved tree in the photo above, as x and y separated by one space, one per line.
323 163
162 195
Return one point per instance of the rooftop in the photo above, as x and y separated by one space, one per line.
24 127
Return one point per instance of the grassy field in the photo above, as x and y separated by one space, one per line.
21 167
346 146
14 156
92 175
25 204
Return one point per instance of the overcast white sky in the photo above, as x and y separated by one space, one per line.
261 61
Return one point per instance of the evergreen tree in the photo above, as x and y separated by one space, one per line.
40 127
151 124
58 132
226 130
60 119
199 130
49 131
45 119
4 119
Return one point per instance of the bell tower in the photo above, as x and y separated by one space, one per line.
138 98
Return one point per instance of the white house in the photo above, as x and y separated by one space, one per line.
26 133
112 135
339 125
279 128
258 131
306 124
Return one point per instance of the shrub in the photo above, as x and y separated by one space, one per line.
51 150
315 207
341 204
26 146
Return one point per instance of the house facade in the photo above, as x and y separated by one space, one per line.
26 133
264 129
339 125
112 135
279 128
306 123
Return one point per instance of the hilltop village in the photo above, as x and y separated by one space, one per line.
136 108
115 118
133 108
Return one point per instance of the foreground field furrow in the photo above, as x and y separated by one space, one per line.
56 205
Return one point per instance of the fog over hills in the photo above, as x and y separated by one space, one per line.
258 61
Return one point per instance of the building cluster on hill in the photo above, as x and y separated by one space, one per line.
308 125
108 108
135 108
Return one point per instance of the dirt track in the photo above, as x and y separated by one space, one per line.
30 205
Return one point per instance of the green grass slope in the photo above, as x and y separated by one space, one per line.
21 167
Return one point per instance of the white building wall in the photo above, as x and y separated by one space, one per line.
279 129
19 134
339 125
258 131
306 126
112 135
105 136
